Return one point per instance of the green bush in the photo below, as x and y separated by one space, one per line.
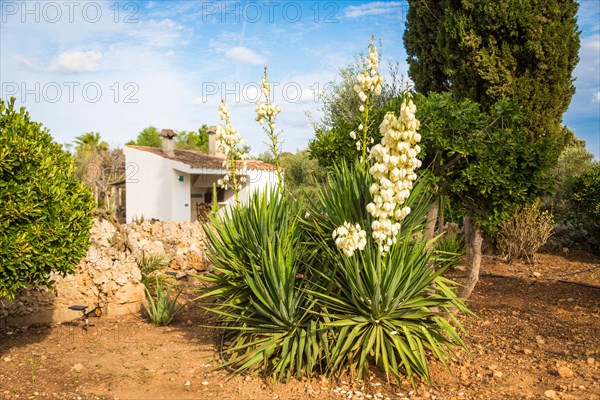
573 162
260 287
291 304
449 249
45 217
164 309
386 311
584 194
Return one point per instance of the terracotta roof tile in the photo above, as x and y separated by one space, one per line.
198 159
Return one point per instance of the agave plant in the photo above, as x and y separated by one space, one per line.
260 291
392 310
163 310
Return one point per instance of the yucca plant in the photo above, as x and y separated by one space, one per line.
392 310
260 287
163 310
449 248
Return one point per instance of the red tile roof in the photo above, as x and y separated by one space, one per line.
198 159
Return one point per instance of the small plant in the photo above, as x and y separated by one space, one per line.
522 235
449 248
138 220
163 310
150 264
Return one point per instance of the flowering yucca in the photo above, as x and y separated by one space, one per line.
230 142
394 169
368 83
350 238
266 113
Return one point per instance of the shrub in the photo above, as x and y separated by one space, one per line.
522 235
585 196
163 310
573 162
449 248
260 287
347 285
389 311
148 265
45 217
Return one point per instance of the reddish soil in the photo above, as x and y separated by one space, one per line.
530 328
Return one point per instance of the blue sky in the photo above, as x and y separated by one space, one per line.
115 67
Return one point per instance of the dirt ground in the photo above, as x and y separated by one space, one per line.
535 336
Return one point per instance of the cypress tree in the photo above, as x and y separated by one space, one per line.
519 50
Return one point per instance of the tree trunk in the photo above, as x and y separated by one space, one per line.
475 245
441 221
432 215
467 233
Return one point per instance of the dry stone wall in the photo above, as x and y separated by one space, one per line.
109 273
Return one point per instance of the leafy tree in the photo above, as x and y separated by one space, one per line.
98 169
332 143
335 145
89 141
190 140
483 160
573 162
330 146
302 174
45 216
148 137
584 194
519 50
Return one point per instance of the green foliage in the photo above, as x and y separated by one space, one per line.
584 194
522 235
190 140
164 309
449 248
384 311
149 136
89 141
148 265
260 286
45 215
519 50
302 173
573 161
334 146
483 160
291 303
341 102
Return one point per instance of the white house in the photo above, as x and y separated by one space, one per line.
177 185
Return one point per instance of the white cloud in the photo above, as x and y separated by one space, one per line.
160 33
244 55
76 61
374 8
29 64
597 97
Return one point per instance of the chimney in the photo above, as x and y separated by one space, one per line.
168 145
212 141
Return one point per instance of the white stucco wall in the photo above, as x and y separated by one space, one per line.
146 180
153 188
180 196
